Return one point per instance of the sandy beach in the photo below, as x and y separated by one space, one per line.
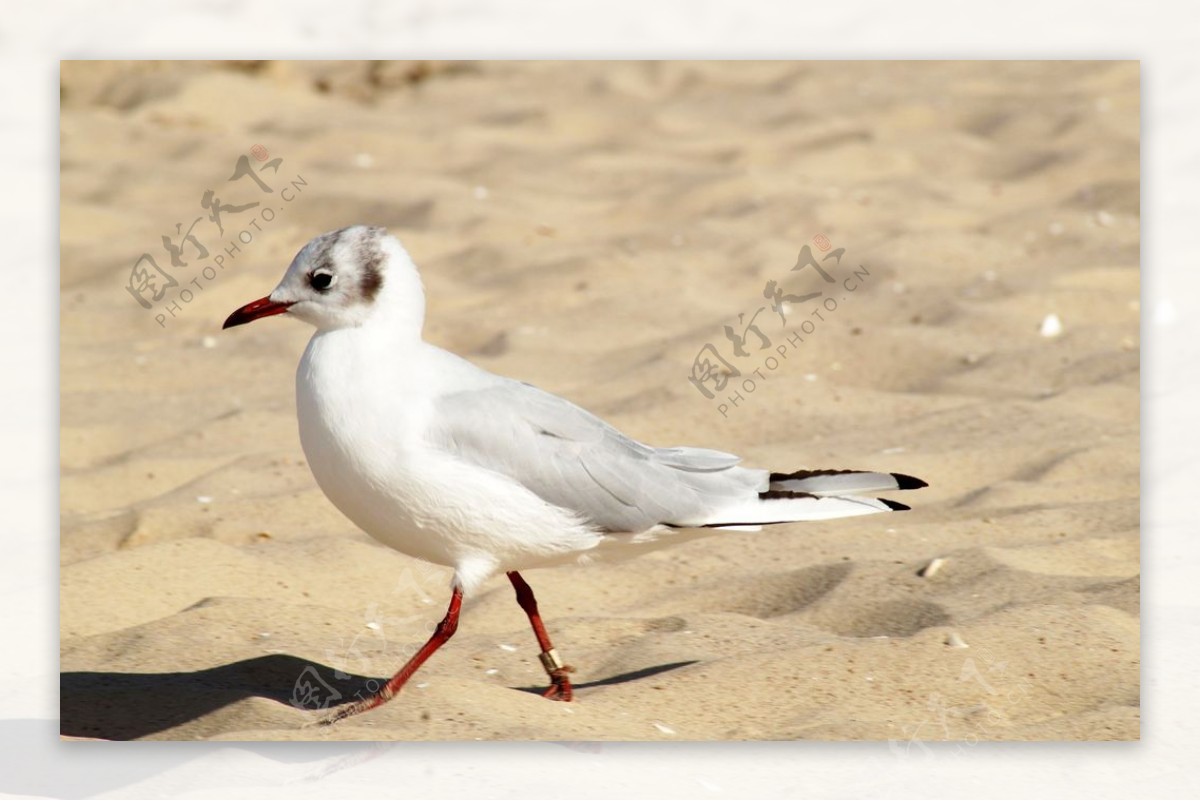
593 228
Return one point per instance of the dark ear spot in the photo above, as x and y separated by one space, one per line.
370 258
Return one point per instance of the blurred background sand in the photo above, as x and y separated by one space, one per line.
589 228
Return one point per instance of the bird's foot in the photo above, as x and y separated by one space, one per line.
560 690
355 708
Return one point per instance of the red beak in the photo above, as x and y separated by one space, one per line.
263 307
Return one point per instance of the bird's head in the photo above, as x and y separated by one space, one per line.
343 279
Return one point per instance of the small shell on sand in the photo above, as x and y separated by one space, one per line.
955 641
1051 326
932 568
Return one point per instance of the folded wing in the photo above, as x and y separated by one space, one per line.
573 459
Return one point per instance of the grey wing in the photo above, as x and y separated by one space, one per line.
573 459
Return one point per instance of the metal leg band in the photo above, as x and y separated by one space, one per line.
550 661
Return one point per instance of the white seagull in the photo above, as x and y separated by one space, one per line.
449 463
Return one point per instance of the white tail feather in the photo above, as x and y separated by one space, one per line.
764 511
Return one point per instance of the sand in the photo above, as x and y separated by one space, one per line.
590 228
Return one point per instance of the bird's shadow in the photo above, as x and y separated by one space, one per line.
129 706
621 678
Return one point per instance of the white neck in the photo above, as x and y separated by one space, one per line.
399 309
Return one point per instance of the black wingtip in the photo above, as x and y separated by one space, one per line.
909 482
895 506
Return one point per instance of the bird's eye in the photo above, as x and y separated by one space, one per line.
322 280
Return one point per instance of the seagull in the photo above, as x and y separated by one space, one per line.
446 462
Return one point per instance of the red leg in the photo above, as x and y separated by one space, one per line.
560 689
444 631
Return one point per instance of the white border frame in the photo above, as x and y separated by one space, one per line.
1161 34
